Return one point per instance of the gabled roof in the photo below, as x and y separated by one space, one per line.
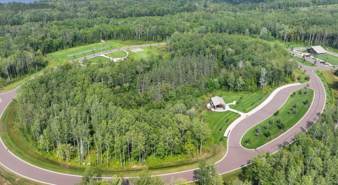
318 49
217 100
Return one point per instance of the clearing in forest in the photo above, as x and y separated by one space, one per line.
82 51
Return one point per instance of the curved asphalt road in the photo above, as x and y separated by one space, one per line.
236 155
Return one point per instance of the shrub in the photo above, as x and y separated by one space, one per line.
266 126
257 135
276 113
247 141
301 91
279 120
258 129
271 121
268 134
295 105
295 111
289 112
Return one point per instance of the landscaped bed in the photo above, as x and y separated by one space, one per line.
286 117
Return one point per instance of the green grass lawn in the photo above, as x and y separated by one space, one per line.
330 82
97 60
245 102
149 51
219 122
65 55
306 63
288 120
329 59
119 54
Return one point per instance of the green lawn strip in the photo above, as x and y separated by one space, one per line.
306 63
245 102
149 51
20 146
219 122
300 76
99 60
329 59
63 55
119 54
330 82
288 120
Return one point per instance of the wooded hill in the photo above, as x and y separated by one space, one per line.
55 26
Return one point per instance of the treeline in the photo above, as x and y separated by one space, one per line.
319 28
50 31
22 13
20 64
70 111
241 67
311 159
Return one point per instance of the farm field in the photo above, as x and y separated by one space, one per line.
289 114
82 51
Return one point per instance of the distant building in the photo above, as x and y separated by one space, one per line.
103 41
317 50
217 102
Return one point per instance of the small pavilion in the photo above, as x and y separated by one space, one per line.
217 103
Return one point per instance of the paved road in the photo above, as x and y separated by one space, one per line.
236 156
116 50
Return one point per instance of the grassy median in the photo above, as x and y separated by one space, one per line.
288 115
304 62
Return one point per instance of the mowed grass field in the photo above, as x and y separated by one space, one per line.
329 59
306 63
219 122
119 54
288 120
245 102
82 51
149 51
98 60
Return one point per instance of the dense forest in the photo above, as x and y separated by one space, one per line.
140 109
52 26
148 111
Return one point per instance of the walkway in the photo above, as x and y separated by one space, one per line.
236 156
